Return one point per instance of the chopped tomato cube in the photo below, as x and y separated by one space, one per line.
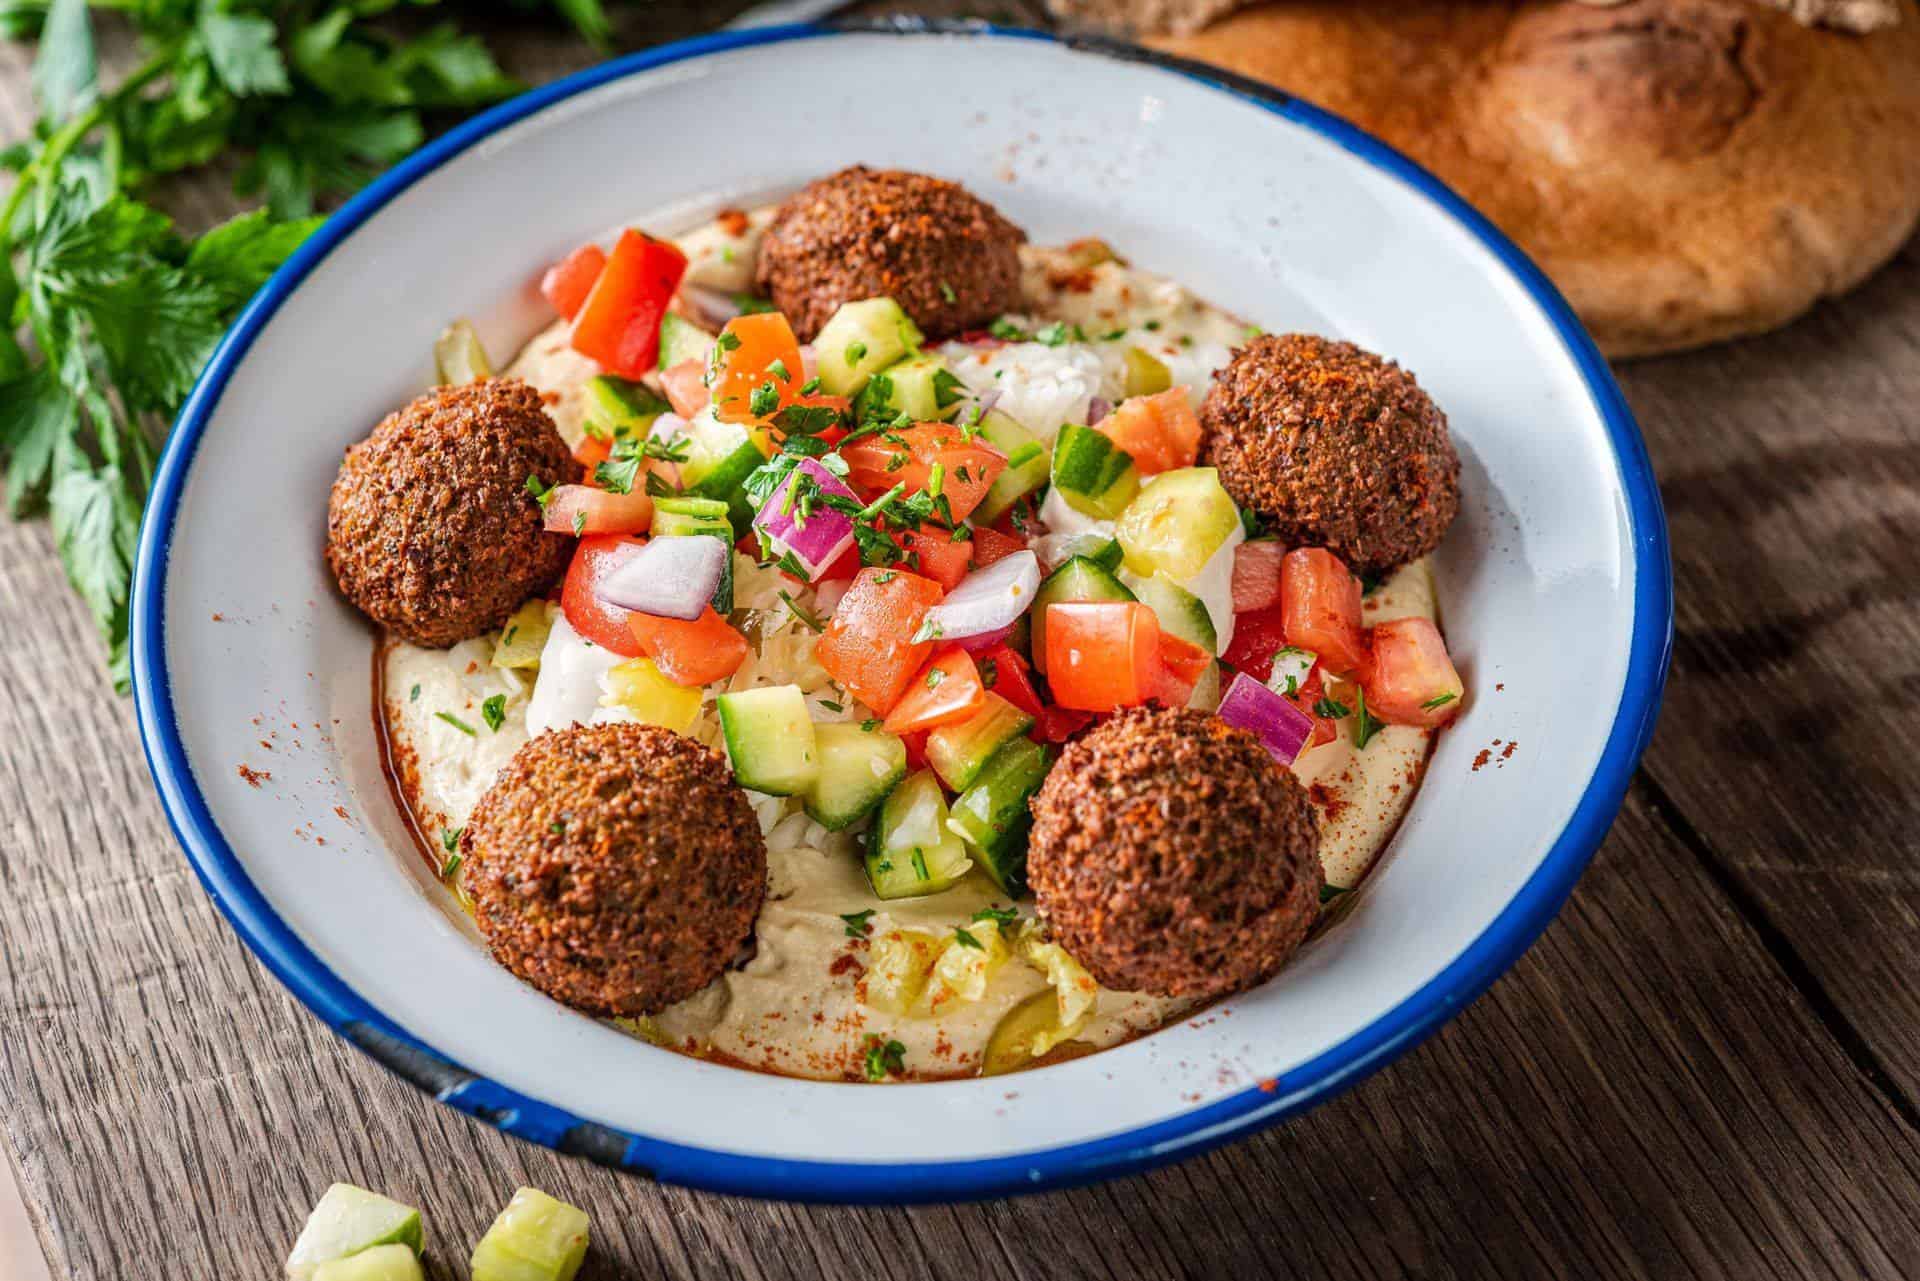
591 452
868 646
755 352
933 552
699 652
927 456
916 745
569 281
1161 431
686 387
1005 673
1257 636
583 509
1182 664
619 323
1320 602
1058 724
1102 655
990 545
946 691
1412 680
844 566
603 624
1256 574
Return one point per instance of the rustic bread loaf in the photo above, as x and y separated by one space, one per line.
1685 170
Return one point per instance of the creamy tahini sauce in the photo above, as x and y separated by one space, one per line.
798 1006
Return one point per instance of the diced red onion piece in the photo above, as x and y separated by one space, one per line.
1282 728
817 541
1256 574
668 578
710 305
986 600
1097 408
985 640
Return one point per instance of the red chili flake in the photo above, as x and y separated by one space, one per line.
1269 1085
1330 802
219 618
254 777
845 963
733 222
1481 759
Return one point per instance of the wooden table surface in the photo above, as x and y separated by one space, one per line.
1708 1066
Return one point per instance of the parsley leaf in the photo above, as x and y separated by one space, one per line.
494 712
857 927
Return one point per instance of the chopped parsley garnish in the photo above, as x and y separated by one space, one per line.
747 303
998 915
622 467
989 672
1152 326
765 399
1252 331
458 724
494 712
727 341
450 838
934 676
929 631
884 1058
856 352
451 865
1439 700
778 368
810 386
1370 583
541 491
1006 331
1368 724
857 922
414 695
799 611
1113 335
805 420
965 939
580 523
883 579
920 864
870 724
946 292
558 826
1332 709
832 706
1059 333
1328 893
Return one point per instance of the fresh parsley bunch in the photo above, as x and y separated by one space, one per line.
118 312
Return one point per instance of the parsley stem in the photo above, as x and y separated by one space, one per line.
43 166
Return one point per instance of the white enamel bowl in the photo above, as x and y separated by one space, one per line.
1554 583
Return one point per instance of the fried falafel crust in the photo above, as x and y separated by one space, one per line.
431 529
617 868
1171 855
945 255
1333 447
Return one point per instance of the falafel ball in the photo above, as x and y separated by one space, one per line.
431 529
1171 855
617 868
1333 447
945 255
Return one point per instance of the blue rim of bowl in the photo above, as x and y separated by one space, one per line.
1385 1039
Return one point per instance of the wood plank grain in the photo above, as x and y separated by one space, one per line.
1791 471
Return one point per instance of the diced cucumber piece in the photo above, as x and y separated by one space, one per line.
1102 551
720 457
459 357
682 340
536 1238
1076 580
346 1221
769 739
1179 610
860 340
618 408
691 517
911 852
1094 476
992 816
959 752
382 1263
1177 523
922 388
1146 374
858 767
1027 465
